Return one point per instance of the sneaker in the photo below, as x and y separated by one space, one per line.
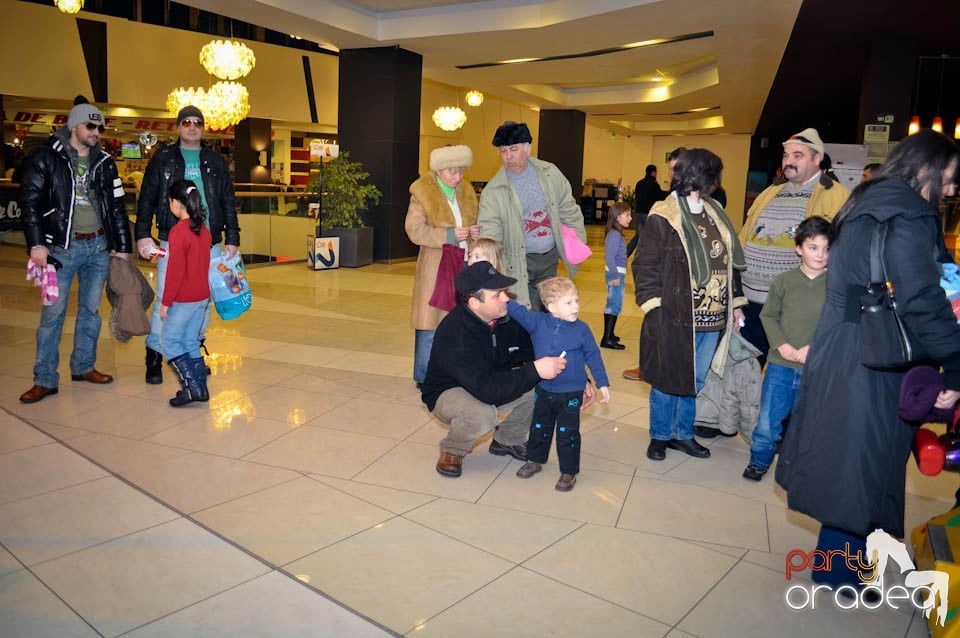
528 469
566 482
754 472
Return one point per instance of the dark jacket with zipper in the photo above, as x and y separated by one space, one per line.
47 195
495 365
166 167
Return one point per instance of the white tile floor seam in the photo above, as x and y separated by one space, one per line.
310 477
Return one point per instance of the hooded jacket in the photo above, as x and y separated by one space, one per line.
166 167
843 458
47 196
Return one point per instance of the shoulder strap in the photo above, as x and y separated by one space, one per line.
878 270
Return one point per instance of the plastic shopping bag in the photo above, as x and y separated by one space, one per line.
229 287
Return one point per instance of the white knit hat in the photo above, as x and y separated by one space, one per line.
451 157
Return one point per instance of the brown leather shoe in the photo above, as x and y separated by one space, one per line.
36 393
450 464
633 374
93 377
528 469
566 482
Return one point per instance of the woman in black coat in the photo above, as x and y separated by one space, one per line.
843 460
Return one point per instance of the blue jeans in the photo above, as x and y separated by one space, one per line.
183 327
614 295
89 260
422 345
156 324
781 387
671 415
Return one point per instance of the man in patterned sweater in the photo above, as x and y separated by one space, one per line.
767 234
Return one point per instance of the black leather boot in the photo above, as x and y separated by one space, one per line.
190 391
200 370
154 367
606 341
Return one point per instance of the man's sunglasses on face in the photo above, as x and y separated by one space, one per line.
94 127
193 123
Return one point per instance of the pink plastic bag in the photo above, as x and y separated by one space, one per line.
576 251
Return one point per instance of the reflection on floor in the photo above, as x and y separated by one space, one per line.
303 501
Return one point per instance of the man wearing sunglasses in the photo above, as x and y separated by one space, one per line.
188 158
71 204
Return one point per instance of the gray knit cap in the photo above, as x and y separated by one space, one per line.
83 114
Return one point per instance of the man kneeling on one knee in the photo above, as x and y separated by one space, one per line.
482 373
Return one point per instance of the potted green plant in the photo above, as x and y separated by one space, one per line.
342 190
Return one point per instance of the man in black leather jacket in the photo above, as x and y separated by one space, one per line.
189 158
72 209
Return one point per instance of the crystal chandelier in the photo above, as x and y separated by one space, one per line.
69 6
449 118
474 98
227 59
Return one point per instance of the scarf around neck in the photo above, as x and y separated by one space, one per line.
696 250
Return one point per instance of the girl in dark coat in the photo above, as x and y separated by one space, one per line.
843 459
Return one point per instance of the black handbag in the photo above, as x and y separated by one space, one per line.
885 341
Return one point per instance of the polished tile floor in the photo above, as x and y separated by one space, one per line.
303 501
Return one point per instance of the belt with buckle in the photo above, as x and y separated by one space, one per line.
83 236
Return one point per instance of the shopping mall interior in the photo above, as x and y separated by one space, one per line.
303 500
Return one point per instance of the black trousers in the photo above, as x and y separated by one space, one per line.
753 330
560 410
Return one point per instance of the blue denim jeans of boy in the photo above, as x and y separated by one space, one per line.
614 295
778 396
89 261
671 415
422 345
156 324
183 328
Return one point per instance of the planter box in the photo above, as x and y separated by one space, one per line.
356 245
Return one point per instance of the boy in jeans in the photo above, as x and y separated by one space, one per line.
789 317
559 333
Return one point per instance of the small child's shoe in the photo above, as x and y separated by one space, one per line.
754 472
566 482
528 469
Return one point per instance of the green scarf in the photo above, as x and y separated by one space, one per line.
696 250
449 191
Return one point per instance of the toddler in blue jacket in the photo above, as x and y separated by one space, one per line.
558 332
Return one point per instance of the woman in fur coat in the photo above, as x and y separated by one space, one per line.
443 210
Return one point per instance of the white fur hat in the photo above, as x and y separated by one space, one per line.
450 157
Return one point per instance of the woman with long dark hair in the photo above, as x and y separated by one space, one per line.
843 460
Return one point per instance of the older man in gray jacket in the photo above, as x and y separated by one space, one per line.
523 207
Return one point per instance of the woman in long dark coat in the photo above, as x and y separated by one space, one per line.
843 460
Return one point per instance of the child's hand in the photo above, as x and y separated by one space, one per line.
163 311
616 282
604 394
788 352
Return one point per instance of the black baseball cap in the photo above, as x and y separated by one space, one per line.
481 276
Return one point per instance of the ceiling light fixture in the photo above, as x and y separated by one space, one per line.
914 125
938 121
449 118
915 120
69 6
474 97
227 59
956 130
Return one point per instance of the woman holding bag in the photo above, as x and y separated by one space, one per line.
442 212
843 459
